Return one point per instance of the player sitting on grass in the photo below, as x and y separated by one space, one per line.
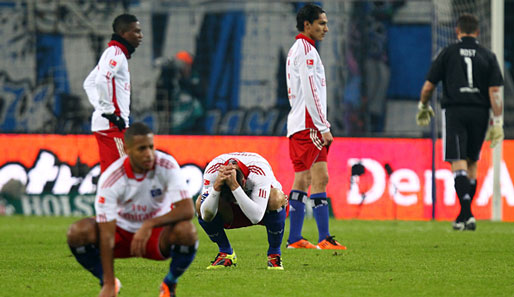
240 190
143 209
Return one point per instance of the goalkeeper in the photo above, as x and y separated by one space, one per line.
471 81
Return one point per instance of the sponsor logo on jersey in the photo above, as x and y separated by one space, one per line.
206 182
156 192
310 62
101 200
112 63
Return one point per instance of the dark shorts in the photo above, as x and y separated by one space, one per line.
464 130
124 238
306 148
239 219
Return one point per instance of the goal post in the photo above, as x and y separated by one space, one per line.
497 35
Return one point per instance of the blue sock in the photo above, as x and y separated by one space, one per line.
296 215
89 257
217 233
181 257
275 222
320 212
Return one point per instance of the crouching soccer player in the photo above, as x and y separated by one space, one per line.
240 190
143 209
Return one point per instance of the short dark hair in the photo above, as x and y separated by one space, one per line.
467 23
309 12
122 22
136 129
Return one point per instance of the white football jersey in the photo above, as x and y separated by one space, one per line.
259 176
130 199
306 88
108 87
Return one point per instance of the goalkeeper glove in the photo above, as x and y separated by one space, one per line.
115 119
495 131
424 114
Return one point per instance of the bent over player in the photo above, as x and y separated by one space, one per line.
240 190
308 129
108 89
143 209
471 87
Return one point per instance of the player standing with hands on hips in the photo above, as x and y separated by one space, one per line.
108 89
143 209
471 87
308 129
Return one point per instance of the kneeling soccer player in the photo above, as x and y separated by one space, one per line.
240 190
143 209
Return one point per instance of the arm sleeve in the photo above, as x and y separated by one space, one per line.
311 93
436 72
89 86
108 66
496 78
254 207
106 202
209 207
210 197
176 185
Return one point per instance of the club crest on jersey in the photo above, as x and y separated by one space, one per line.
310 62
206 182
156 192
112 63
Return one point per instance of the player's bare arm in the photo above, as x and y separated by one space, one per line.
495 132
496 100
107 231
426 92
182 210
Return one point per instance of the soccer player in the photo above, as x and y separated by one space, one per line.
240 190
471 87
108 89
308 129
143 209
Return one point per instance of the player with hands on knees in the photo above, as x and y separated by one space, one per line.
143 209
240 190
471 79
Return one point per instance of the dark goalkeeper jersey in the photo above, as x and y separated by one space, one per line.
467 70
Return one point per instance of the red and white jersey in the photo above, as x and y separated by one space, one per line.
257 170
108 86
306 88
130 198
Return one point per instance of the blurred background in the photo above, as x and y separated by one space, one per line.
217 67
210 76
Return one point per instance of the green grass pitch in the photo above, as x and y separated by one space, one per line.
384 258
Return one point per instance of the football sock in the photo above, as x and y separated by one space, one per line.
89 257
275 222
296 214
472 188
181 257
217 233
320 212
462 187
